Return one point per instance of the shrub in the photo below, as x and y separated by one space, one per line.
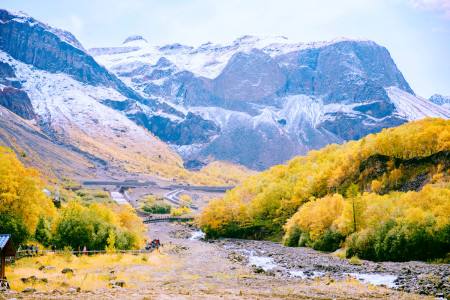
329 241
313 225
292 238
179 211
157 208
354 260
400 242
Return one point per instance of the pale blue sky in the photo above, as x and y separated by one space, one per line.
416 32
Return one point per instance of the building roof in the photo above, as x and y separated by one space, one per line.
6 245
4 238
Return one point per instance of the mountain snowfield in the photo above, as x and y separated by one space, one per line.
415 107
256 101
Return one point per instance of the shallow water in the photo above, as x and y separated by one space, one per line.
303 275
264 262
375 279
197 235
268 263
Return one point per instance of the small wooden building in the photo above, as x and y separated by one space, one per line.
6 250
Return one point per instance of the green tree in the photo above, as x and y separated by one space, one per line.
14 225
43 232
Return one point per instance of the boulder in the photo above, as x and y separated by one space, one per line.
67 270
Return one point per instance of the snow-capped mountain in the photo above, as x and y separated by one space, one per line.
441 100
47 78
255 101
271 98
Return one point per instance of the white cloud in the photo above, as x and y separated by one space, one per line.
442 6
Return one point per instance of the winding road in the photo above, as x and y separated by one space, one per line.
173 194
174 197
166 185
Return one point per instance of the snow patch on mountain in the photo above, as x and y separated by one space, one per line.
413 107
222 117
296 111
298 108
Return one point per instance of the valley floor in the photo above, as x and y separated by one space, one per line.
188 268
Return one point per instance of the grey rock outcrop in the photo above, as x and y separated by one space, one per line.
17 101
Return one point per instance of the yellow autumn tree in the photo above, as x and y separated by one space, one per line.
21 191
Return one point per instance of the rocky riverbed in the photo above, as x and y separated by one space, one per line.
275 259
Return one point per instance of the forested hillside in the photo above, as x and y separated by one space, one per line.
384 197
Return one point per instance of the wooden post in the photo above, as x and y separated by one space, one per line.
2 269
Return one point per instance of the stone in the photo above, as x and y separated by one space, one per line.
46 268
31 279
117 283
74 290
258 270
67 270
29 290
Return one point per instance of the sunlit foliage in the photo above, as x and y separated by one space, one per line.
338 183
21 192
27 213
91 226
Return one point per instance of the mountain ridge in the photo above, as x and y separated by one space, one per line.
247 88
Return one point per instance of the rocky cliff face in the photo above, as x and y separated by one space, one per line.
53 50
272 99
17 101
11 96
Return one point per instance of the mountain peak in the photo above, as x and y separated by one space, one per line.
7 16
134 38
440 99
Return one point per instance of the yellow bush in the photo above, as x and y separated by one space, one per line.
179 211
316 216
